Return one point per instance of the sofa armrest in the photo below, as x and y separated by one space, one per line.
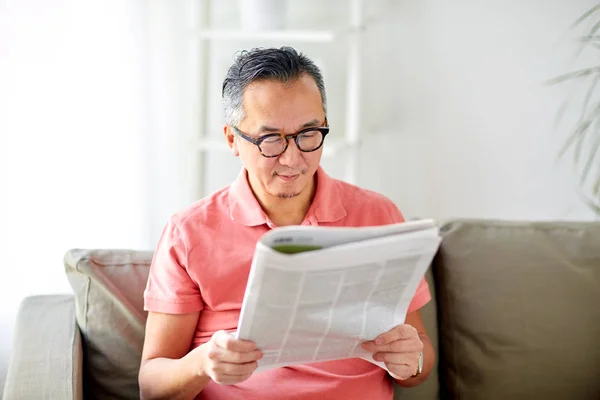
47 357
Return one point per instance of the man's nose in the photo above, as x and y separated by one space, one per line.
292 155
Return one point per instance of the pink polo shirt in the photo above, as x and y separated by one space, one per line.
202 263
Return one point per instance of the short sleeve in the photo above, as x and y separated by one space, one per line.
395 214
170 289
422 294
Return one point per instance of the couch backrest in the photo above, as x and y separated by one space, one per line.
430 389
519 310
109 287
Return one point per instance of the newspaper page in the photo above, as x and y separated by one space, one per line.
316 293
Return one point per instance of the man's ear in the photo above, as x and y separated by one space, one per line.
231 140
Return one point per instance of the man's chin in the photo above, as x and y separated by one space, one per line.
287 195
286 190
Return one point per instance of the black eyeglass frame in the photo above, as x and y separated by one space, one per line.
286 138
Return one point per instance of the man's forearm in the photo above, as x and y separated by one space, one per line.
428 363
164 378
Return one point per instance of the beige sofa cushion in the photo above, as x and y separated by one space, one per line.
108 287
46 363
519 310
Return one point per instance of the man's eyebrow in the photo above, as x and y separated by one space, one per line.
310 124
270 129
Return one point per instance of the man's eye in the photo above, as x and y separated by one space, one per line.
272 139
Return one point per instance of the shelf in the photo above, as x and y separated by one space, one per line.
351 33
284 35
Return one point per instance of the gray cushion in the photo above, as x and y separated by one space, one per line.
109 287
519 310
430 389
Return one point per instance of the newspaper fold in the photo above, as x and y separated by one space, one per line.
316 293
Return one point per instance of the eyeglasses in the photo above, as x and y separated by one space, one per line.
275 144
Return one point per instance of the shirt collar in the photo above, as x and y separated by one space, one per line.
244 208
327 205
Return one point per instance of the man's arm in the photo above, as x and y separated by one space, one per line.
414 319
169 370
400 347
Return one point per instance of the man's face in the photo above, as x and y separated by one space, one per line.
271 106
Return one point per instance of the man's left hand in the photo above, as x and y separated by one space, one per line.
399 349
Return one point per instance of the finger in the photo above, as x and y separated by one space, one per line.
400 372
399 346
219 354
397 358
230 379
227 341
235 369
240 358
403 331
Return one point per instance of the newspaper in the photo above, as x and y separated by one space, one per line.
316 293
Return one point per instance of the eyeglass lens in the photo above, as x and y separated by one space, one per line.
307 141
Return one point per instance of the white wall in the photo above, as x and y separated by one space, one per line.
471 103
474 133
96 123
457 121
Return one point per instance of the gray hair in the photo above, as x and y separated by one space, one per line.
284 64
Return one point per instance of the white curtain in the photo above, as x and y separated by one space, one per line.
91 136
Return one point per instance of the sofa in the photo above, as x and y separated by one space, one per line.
515 315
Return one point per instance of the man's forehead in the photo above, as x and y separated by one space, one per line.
273 106
304 84
274 128
275 83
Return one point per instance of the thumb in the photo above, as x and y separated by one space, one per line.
223 339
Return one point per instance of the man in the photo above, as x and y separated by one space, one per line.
275 121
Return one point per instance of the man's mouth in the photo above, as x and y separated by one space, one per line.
288 178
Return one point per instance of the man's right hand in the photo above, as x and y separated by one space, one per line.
227 361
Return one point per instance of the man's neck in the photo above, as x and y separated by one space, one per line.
287 211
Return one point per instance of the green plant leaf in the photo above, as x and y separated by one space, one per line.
594 29
592 204
585 16
593 119
582 73
596 190
588 96
593 41
591 33
579 131
592 156
582 130
579 142
589 39
587 129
